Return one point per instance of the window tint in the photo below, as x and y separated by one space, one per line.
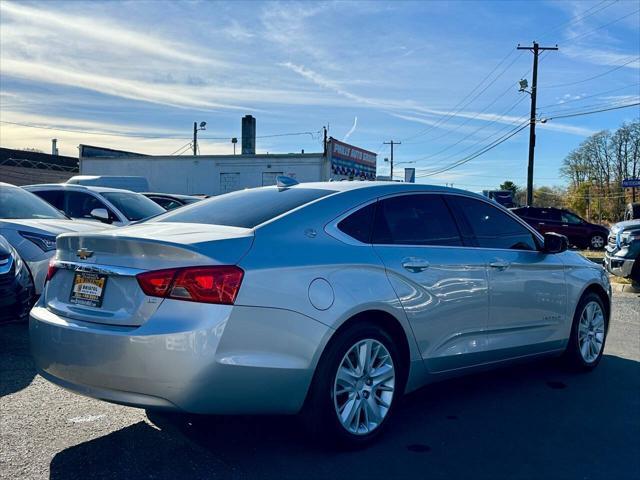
133 205
18 203
80 205
244 208
358 224
571 218
550 215
166 203
415 220
54 197
491 227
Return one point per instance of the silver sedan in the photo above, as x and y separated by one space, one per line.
326 299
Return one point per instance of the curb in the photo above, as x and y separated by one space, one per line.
624 288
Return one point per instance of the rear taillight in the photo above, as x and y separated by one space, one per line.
216 284
51 271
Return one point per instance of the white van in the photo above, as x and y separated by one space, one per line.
135 184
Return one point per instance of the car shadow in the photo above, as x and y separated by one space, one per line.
17 370
529 421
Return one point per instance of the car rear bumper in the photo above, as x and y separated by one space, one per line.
619 266
218 360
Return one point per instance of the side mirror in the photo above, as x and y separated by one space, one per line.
555 243
100 214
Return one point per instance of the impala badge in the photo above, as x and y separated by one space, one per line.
84 253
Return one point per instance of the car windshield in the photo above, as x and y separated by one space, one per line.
18 203
245 208
133 205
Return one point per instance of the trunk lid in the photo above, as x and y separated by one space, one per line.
117 256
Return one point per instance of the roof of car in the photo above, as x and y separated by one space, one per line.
171 195
341 186
71 186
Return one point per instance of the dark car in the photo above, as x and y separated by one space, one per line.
16 286
170 201
580 233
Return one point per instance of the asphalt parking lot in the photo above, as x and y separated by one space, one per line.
530 421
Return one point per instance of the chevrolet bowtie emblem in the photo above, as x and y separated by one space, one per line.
84 253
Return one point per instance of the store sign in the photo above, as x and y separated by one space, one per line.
630 182
350 161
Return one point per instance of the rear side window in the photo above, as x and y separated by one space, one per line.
422 219
54 197
358 225
244 208
491 227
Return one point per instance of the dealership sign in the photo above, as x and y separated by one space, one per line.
630 182
350 161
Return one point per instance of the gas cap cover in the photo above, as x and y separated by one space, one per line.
321 294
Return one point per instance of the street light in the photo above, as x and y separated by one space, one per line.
203 126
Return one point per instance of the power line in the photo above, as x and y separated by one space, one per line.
637 85
620 102
618 67
461 104
482 151
590 112
576 37
586 14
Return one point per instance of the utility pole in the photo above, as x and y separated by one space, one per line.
536 49
392 143
195 138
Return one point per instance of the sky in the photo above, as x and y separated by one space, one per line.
440 77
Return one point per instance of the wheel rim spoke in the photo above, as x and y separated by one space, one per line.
591 332
364 386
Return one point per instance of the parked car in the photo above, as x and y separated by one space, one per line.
171 201
331 299
124 182
623 250
107 205
580 233
16 286
31 225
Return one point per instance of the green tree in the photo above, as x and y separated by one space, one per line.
509 185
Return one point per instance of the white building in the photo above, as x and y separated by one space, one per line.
217 174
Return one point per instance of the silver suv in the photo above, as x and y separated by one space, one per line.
623 250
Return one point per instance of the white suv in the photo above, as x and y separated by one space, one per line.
107 205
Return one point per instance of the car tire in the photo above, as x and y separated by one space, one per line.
597 242
327 395
588 333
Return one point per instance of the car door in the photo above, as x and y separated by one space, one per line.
441 283
574 228
527 292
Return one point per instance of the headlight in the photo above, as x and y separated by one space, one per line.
628 237
45 242
17 260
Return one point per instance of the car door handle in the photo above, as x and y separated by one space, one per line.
541 223
415 265
500 265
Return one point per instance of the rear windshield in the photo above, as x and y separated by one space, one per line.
245 208
133 205
18 203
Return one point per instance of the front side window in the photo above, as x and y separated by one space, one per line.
571 218
492 228
421 219
54 197
80 205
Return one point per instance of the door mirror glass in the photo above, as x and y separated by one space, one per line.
100 214
555 243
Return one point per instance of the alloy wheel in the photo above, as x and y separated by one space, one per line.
364 387
597 241
591 332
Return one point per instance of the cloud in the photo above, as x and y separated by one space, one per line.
238 32
109 35
352 129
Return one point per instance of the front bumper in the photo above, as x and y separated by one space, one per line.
191 357
619 266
